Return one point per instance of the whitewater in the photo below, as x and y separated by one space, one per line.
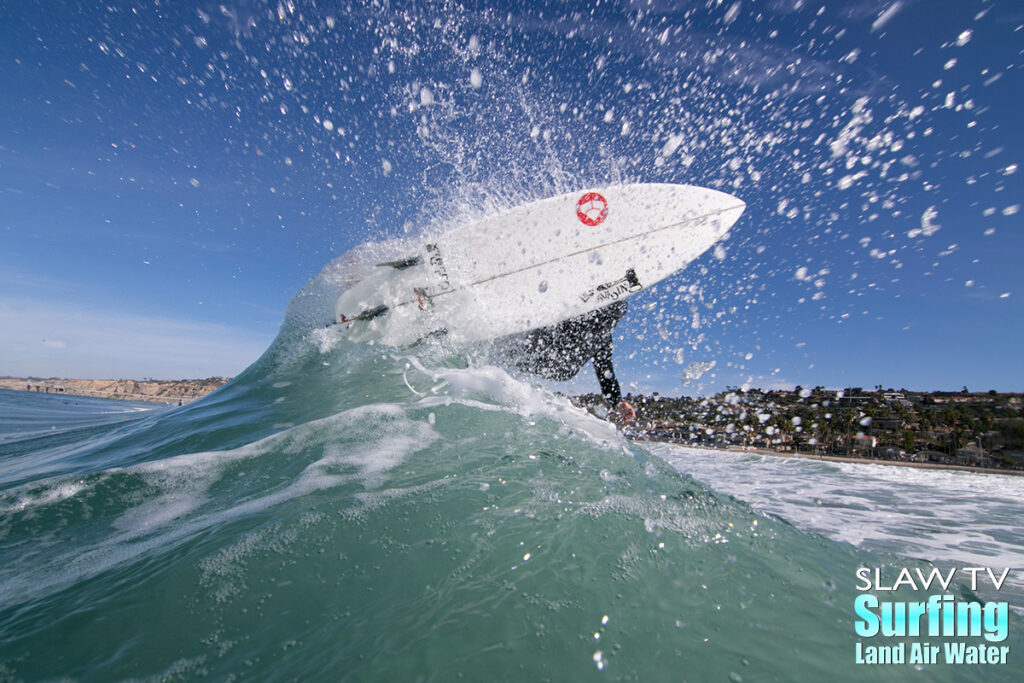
349 512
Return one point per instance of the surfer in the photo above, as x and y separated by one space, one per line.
559 351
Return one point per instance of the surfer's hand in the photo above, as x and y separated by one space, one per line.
625 411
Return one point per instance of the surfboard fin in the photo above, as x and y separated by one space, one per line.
368 314
402 264
436 333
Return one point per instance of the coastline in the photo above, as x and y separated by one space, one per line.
154 391
838 458
184 391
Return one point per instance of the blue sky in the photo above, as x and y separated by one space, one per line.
172 173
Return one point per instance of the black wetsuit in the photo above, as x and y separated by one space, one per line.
558 352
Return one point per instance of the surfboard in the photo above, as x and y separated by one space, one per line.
537 264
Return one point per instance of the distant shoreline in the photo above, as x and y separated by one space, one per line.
838 458
171 392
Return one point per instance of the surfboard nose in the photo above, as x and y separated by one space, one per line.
717 200
728 208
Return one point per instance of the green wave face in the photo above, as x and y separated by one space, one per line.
339 512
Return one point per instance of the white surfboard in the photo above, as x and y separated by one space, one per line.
537 264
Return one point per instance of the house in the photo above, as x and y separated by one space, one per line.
972 454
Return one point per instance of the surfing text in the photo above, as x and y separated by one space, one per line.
940 616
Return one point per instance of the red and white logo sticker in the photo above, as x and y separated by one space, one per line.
592 208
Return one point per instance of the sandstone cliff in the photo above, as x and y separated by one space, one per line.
164 391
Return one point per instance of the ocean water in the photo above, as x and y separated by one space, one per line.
343 512
25 414
34 428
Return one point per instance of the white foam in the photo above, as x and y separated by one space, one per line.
364 444
943 516
491 388
39 496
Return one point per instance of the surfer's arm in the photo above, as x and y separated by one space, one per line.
609 384
606 373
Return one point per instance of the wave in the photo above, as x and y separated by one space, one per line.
357 513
